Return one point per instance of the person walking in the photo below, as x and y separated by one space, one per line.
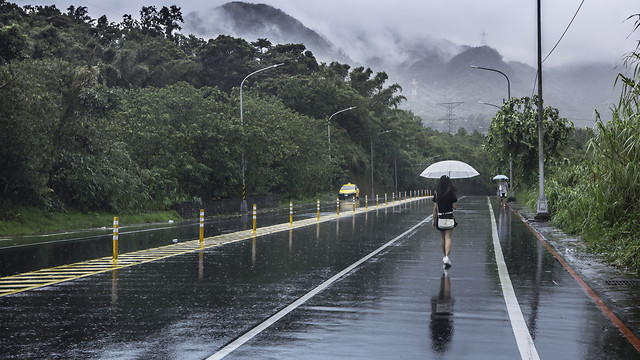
503 190
445 201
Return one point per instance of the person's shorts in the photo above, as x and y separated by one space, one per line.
503 195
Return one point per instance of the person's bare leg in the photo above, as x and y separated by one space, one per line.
447 242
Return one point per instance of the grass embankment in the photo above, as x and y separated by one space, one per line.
617 244
28 220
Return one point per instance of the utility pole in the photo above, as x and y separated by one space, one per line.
542 213
451 117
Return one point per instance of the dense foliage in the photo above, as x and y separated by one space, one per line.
513 135
135 116
598 195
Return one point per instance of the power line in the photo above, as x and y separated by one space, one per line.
557 43
565 31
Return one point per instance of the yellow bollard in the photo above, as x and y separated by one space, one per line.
291 214
201 226
385 199
254 218
338 207
393 198
376 200
354 204
115 240
318 208
366 203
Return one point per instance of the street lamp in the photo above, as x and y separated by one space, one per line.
498 71
243 205
372 192
509 97
486 103
510 159
329 137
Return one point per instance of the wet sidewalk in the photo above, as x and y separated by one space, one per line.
618 289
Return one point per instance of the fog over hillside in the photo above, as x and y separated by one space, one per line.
432 72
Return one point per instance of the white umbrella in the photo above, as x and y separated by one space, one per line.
452 168
500 177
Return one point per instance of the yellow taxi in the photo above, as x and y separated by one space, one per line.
349 190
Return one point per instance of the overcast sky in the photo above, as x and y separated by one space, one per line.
599 32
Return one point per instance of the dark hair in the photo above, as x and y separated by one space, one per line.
445 187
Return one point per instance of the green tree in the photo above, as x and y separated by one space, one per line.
284 155
30 110
183 140
514 132
13 43
225 61
170 18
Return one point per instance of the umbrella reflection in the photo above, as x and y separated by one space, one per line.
441 324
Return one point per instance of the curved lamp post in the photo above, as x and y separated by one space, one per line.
243 205
498 71
486 103
329 137
509 97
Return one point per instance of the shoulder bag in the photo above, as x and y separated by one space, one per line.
445 224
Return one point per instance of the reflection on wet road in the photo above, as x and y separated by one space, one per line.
398 303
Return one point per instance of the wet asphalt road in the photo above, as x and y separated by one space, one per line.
399 303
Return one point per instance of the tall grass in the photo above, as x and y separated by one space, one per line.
599 198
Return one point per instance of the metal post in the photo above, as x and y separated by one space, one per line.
395 170
115 240
201 226
371 143
498 71
542 209
243 205
254 218
509 95
372 191
329 138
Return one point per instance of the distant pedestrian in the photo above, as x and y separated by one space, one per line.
445 201
503 190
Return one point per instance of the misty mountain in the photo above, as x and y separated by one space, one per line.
435 74
253 21
576 90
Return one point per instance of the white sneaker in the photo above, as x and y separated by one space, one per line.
446 261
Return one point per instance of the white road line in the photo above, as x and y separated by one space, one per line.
226 350
523 338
